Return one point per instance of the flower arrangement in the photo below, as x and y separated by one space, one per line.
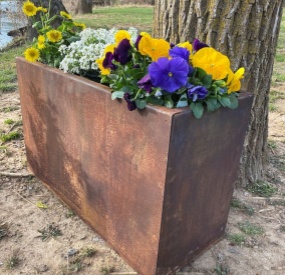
138 68
46 47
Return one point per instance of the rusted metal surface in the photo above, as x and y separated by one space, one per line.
155 184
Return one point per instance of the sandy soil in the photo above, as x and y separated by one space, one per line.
52 240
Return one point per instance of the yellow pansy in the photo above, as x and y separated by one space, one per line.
233 82
104 71
109 48
186 45
154 48
65 15
120 35
54 36
32 54
212 62
29 8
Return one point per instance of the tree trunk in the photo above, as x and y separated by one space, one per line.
83 6
246 31
56 7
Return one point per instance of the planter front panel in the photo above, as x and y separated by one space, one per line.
105 162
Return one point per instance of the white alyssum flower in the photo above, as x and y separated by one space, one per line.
80 56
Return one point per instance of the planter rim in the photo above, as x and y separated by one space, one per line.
105 88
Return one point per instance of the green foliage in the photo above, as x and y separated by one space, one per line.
236 239
10 136
88 252
13 260
262 189
242 206
250 229
49 231
8 74
107 270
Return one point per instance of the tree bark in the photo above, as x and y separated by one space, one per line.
246 31
56 7
83 6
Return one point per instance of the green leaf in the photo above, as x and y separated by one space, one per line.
183 102
168 102
212 104
234 101
225 101
207 81
117 94
141 103
113 76
201 73
197 109
73 39
154 100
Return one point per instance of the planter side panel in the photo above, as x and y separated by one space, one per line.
202 171
98 157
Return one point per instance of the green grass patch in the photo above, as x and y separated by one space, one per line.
262 189
122 17
8 74
13 260
49 232
9 109
235 203
10 136
9 121
236 239
250 229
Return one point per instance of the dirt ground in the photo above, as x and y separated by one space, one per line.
40 235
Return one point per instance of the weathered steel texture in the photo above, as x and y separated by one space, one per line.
155 184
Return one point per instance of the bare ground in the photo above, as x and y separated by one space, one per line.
52 240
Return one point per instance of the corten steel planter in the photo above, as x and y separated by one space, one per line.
156 184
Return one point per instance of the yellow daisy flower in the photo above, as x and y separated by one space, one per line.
233 82
104 71
65 15
212 62
81 25
41 39
42 9
32 54
120 35
54 36
41 45
29 8
154 48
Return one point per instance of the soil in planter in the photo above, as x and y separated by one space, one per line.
40 235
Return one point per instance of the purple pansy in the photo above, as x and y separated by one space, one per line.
107 62
121 53
169 75
131 104
179 52
145 83
196 92
197 45
138 41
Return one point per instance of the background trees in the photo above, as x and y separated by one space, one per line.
247 32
